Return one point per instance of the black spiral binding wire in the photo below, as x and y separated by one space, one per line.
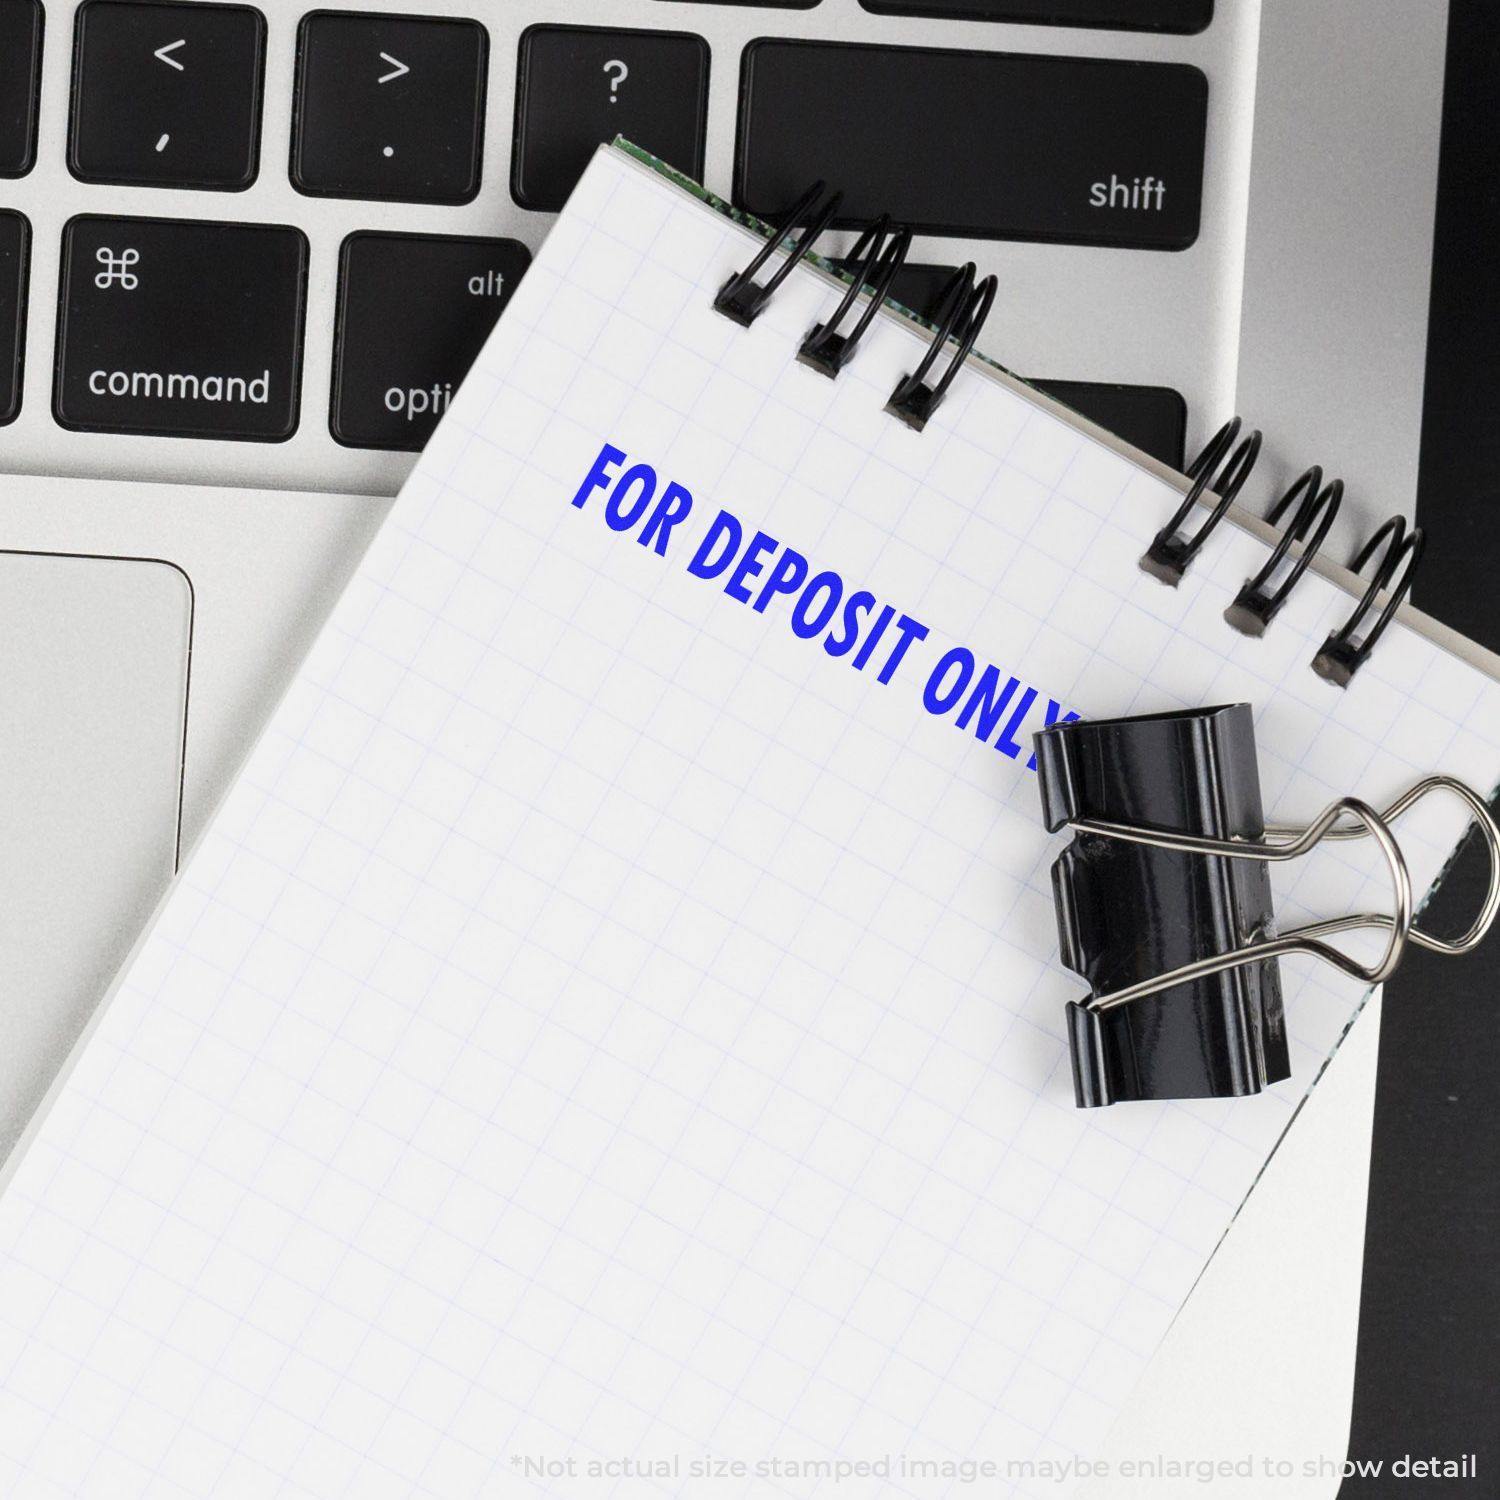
879 254
741 297
1257 603
1170 553
1220 469
1345 651
961 313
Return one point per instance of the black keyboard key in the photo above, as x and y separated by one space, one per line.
20 83
1123 15
1152 418
389 107
580 85
180 327
15 245
997 145
920 287
916 285
167 95
414 310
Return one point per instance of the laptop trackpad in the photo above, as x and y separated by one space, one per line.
93 679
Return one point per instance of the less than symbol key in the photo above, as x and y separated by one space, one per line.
167 95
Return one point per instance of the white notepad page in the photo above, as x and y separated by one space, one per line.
606 1028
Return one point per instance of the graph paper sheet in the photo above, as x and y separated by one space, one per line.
607 1029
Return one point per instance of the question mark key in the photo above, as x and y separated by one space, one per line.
581 86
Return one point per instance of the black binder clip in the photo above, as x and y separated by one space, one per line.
1164 901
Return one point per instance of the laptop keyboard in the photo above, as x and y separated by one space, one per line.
196 327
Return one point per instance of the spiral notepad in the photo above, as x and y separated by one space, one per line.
610 1041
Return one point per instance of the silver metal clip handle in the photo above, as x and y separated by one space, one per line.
1308 939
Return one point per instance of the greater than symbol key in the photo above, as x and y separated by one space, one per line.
397 68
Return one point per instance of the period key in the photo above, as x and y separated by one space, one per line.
180 327
389 106
413 311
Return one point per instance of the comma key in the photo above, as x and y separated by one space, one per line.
181 328
414 310
167 95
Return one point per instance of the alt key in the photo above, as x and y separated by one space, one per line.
413 312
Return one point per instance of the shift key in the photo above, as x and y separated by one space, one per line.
1086 151
180 327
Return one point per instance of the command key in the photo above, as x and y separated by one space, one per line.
180 327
